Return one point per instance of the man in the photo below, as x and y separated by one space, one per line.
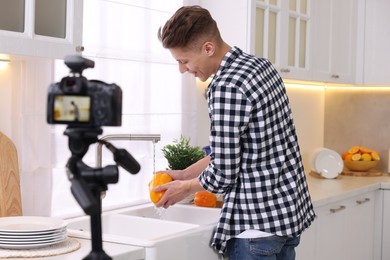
255 160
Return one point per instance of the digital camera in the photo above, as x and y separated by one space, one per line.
79 102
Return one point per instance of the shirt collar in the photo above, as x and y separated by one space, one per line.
229 57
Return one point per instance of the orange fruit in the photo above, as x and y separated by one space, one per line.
344 155
356 157
364 150
366 157
375 156
354 149
348 157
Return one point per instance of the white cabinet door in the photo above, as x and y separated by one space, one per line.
281 33
377 42
332 237
361 226
307 245
295 39
334 40
346 229
46 28
233 19
386 226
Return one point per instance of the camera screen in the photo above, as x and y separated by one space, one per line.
72 109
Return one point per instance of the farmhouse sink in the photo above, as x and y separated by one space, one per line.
180 232
177 213
131 230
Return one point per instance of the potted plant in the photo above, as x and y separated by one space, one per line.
180 155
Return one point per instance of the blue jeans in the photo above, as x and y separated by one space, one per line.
264 248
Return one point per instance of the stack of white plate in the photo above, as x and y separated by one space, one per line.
26 232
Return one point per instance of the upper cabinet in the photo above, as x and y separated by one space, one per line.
44 28
282 35
334 41
233 19
376 42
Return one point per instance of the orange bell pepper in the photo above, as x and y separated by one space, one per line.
157 180
205 199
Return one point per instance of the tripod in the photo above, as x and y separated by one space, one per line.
87 183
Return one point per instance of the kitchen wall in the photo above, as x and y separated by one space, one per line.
358 116
332 117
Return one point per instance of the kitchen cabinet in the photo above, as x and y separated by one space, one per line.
343 229
278 30
376 42
43 28
307 246
386 225
233 20
282 34
334 41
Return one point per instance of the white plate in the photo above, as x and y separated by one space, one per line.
30 245
32 238
328 163
30 225
32 242
33 235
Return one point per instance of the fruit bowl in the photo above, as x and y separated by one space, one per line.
360 166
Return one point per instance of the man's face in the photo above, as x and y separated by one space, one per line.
195 61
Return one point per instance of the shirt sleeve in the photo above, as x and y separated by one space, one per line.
229 112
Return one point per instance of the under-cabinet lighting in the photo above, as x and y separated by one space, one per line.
4 63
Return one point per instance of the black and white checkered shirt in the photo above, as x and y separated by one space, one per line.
255 157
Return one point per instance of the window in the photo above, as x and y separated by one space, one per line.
121 37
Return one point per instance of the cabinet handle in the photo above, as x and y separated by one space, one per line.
285 70
337 209
335 76
363 201
79 48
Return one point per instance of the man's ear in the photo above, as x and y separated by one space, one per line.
209 48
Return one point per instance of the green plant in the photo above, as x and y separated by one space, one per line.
181 154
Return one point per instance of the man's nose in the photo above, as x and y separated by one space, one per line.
182 68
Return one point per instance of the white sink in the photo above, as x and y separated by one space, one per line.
178 213
184 232
130 229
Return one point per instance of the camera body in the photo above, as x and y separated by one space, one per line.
79 102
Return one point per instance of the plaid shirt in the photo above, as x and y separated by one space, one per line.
255 158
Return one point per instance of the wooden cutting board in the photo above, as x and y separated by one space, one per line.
10 197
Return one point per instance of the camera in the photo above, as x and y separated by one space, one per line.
79 102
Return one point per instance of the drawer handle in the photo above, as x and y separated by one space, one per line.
335 76
337 209
285 70
363 201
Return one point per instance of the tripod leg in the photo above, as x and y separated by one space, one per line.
97 252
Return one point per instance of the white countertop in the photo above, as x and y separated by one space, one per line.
115 251
322 191
325 191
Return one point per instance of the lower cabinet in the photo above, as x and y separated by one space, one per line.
386 225
342 230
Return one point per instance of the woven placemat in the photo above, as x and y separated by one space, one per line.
70 245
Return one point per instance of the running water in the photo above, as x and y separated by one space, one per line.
154 157
161 213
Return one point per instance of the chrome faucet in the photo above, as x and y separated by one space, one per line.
154 138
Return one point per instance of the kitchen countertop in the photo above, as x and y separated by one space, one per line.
116 251
324 191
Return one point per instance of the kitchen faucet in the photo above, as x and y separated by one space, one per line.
154 138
